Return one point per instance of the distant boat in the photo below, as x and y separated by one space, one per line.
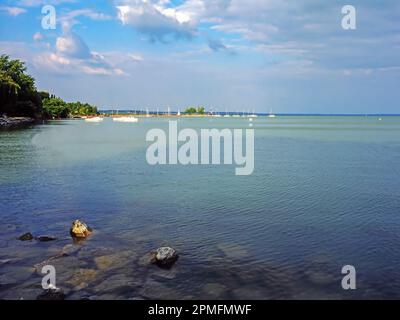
179 113
271 115
125 119
94 119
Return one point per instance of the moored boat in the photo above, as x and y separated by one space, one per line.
94 119
125 119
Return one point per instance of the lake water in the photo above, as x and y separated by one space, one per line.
325 193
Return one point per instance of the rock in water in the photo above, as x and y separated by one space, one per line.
165 257
46 238
51 294
80 230
26 237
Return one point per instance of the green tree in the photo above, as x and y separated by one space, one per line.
190 110
19 97
18 92
54 107
81 109
194 110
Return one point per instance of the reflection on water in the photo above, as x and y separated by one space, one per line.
324 193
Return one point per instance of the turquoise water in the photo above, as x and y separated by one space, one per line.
325 192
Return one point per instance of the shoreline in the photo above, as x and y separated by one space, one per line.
11 122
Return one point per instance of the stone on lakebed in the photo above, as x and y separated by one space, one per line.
26 237
45 238
164 257
80 230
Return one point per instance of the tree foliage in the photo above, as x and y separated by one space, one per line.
19 97
54 107
194 110
79 109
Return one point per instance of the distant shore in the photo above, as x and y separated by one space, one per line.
155 115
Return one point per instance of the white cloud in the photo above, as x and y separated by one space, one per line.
38 37
69 19
96 71
135 57
13 11
59 59
37 3
72 45
73 52
155 20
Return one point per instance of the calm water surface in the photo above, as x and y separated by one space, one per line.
325 192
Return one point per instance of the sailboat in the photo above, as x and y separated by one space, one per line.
271 115
253 115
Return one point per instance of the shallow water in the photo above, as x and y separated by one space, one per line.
325 192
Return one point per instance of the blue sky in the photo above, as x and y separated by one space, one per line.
253 55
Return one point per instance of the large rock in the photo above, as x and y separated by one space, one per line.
165 257
26 237
80 230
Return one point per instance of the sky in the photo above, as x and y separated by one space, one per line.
227 55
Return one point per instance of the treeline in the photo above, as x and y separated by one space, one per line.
194 110
20 98
54 107
18 94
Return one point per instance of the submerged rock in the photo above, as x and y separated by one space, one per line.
45 238
26 237
156 290
115 260
82 278
70 249
214 290
5 261
51 294
233 251
164 257
80 230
